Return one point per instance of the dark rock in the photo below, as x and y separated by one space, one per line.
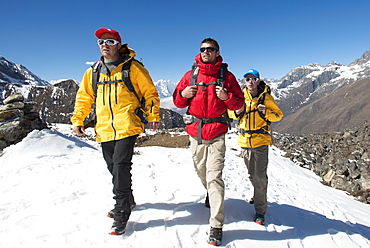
9 114
17 120
13 105
17 97
340 158
14 131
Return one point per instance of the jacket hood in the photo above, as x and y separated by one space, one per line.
126 51
208 69
263 88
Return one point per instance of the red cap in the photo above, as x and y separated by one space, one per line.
101 31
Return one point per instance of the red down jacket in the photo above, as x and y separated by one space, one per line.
206 104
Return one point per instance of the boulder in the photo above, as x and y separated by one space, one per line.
17 120
340 158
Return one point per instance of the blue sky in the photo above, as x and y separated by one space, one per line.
55 39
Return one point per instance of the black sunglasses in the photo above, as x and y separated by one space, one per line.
209 49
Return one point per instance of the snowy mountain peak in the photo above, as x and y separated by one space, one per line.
364 59
334 63
321 77
18 74
165 88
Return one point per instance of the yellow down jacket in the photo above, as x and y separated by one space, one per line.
115 103
256 130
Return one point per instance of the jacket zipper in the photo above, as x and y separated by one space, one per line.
115 91
249 124
111 111
104 89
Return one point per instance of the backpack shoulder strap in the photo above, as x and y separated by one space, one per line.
261 100
222 75
126 67
220 79
262 86
126 75
194 74
95 76
126 78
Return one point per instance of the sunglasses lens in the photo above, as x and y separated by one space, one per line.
109 42
208 49
100 42
251 79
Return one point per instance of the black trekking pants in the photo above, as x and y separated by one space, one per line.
118 155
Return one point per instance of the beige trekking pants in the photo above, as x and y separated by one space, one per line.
256 160
209 158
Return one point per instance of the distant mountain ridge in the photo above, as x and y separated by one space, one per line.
16 78
56 99
18 74
346 107
305 84
294 92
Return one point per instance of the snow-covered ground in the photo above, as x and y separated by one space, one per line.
55 191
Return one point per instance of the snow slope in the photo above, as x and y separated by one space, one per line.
55 191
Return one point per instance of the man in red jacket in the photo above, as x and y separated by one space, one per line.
207 103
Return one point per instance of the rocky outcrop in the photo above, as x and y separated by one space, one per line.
341 159
56 102
17 119
170 119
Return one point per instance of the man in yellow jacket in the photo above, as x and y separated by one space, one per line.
255 117
117 123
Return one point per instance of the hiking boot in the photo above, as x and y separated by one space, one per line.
259 219
120 222
132 206
118 228
206 203
215 236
